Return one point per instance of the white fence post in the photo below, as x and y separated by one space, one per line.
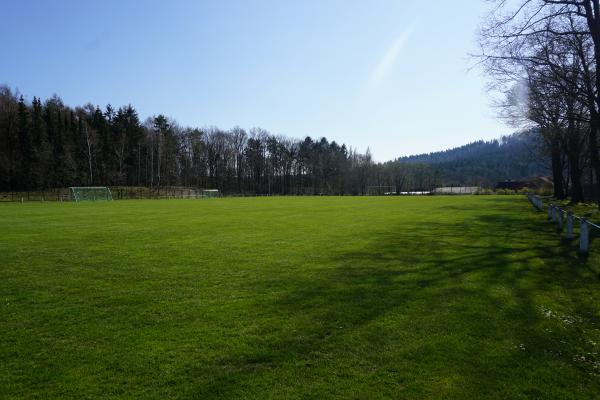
557 214
536 201
584 237
569 233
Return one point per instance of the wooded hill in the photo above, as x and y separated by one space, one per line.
512 157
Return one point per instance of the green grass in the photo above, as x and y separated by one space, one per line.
314 297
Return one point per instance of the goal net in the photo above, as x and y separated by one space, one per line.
91 193
210 193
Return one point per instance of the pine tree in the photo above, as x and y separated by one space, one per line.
42 153
26 145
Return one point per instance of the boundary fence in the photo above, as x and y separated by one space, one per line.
118 193
565 221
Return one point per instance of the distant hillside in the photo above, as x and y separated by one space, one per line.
485 163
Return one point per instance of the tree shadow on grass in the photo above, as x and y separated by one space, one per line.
495 309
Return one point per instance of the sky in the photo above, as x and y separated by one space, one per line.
393 76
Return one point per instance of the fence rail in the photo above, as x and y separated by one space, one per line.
557 214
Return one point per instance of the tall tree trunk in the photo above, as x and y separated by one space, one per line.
592 12
575 170
557 170
593 149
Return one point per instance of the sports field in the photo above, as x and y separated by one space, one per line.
311 297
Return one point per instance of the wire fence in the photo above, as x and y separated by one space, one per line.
41 195
565 222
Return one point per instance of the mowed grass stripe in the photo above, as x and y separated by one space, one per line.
295 297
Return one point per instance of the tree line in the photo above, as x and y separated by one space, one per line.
542 56
47 144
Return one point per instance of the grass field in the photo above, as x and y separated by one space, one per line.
314 297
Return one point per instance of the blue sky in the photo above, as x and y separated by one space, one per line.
391 75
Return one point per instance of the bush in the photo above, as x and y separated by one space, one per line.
525 190
484 191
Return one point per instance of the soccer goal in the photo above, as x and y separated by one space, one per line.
210 193
90 193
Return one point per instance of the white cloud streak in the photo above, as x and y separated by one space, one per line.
382 69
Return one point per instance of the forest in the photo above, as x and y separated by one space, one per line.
484 163
46 144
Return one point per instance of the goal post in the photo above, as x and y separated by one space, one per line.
211 193
90 193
